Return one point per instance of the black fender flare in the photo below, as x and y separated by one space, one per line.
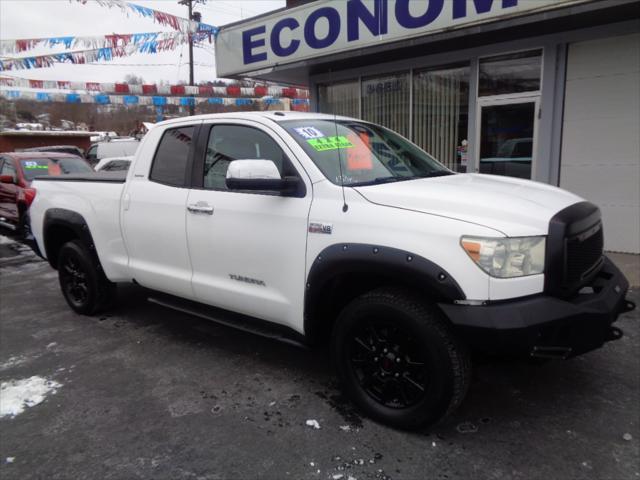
61 217
393 263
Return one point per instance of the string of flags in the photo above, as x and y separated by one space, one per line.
104 99
177 23
153 41
229 90
135 43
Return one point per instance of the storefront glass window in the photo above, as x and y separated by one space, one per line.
340 98
514 73
507 133
441 114
385 101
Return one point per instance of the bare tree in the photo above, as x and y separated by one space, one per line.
133 79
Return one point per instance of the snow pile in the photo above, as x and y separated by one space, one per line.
17 395
313 424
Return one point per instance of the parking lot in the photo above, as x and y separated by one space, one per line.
146 392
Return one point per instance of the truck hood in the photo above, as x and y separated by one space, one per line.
513 206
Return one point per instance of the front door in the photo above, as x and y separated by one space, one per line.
507 135
247 248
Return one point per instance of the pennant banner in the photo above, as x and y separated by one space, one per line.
229 90
177 23
299 104
152 41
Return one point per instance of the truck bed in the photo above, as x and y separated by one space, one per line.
91 198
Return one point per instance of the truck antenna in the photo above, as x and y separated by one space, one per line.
345 207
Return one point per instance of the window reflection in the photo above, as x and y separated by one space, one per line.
514 73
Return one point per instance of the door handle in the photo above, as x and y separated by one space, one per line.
200 207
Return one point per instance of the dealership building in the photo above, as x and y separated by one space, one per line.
542 89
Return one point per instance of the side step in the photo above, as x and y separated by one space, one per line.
231 319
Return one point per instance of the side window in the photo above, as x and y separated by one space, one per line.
170 162
92 153
235 142
8 169
116 166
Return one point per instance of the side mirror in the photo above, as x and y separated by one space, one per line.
7 179
261 175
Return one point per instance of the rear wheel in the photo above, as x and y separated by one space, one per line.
83 284
398 359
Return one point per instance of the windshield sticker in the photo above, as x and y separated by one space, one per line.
360 157
35 166
309 132
329 143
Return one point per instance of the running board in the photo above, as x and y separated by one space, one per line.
4 223
237 321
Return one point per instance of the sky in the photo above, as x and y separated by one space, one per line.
53 18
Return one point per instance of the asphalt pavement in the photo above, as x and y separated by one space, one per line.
145 392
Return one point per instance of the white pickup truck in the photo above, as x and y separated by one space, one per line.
311 228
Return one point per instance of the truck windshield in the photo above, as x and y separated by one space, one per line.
38 167
370 154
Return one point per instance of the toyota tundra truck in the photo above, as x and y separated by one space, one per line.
315 228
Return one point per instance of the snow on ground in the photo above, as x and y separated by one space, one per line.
17 395
13 362
313 423
5 240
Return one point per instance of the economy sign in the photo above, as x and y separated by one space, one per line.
330 26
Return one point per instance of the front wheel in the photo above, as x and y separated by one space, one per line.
399 360
84 286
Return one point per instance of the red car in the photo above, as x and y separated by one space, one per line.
17 169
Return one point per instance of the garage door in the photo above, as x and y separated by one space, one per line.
601 134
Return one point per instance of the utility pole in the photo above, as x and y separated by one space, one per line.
192 16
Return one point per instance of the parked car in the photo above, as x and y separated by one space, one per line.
114 164
121 147
308 228
17 171
70 149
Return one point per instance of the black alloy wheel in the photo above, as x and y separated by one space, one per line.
83 284
388 364
74 281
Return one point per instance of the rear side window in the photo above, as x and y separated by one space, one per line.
170 162
8 169
116 165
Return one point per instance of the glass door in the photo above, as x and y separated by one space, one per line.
507 135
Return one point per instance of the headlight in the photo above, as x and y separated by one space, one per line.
507 257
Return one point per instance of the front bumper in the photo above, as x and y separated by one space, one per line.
546 326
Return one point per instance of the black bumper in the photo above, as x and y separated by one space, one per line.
546 326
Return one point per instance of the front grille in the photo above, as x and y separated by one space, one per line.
583 254
574 249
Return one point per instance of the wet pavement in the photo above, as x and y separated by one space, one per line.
145 392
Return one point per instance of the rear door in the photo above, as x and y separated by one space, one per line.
154 213
247 248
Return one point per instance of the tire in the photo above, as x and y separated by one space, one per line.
83 284
398 359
